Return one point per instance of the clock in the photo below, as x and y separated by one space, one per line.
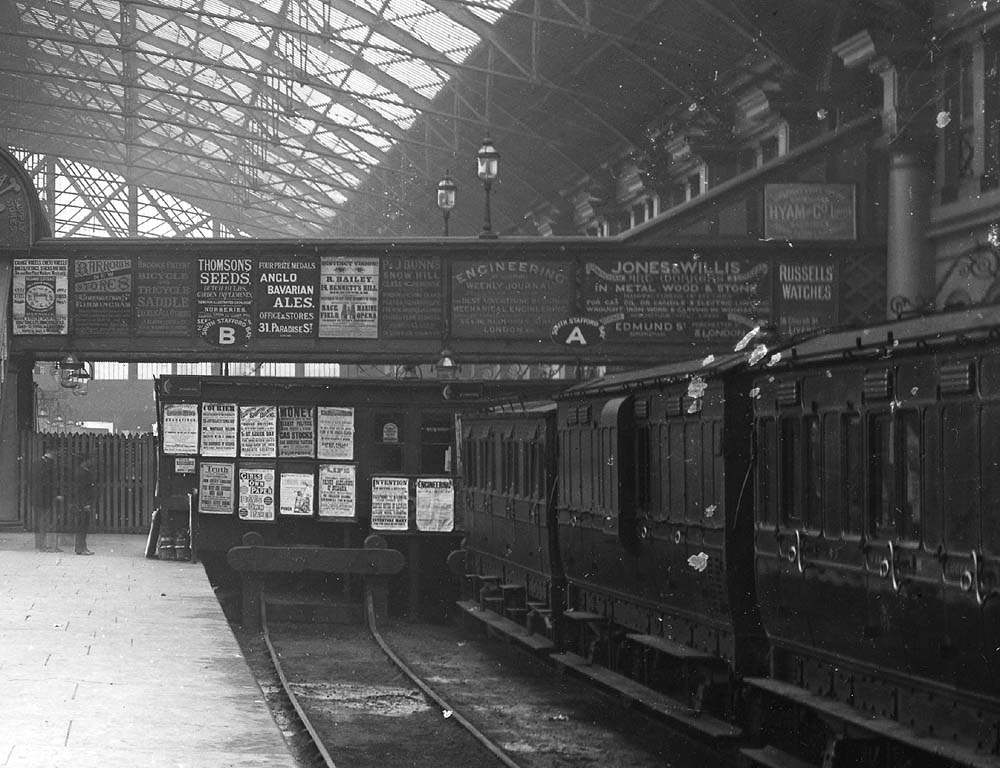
40 297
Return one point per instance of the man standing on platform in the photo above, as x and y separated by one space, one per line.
83 485
43 496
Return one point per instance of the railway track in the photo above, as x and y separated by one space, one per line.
397 697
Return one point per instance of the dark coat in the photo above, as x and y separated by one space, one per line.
83 484
43 482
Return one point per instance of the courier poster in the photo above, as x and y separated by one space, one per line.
218 429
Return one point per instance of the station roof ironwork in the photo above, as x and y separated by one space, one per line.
330 118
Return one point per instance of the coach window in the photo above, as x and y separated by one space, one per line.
767 468
960 475
791 465
662 490
675 461
641 467
812 463
694 440
508 466
535 490
908 512
853 467
881 478
990 462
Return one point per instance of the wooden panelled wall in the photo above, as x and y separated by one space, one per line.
124 470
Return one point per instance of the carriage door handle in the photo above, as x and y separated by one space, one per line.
799 562
970 580
887 568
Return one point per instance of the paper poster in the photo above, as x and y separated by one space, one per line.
348 298
184 465
224 301
297 492
215 488
296 431
40 296
335 433
218 429
258 431
435 505
164 296
102 297
256 493
337 490
286 297
180 428
390 503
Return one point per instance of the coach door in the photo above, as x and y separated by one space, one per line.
904 614
970 482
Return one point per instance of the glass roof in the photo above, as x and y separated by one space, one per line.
292 100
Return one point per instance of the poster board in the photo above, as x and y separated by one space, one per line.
335 433
218 429
390 503
256 493
435 501
338 491
298 490
180 428
215 488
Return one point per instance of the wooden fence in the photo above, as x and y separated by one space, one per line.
124 471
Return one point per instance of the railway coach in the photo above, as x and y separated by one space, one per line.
800 541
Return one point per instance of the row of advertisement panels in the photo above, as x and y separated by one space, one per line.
259 492
673 295
319 478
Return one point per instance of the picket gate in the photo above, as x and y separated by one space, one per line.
124 472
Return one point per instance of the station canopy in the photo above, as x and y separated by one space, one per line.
329 118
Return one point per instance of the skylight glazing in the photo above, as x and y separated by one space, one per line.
302 96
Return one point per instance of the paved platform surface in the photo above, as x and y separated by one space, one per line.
116 661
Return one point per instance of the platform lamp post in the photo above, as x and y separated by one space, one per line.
447 190
487 168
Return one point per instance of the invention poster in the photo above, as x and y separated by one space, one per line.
390 503
435 505
337 490
256 493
